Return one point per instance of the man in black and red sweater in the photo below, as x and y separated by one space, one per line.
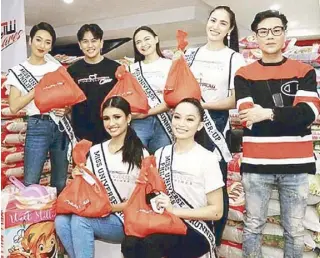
277 100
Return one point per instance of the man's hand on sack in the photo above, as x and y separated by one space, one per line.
254 115
139 116
61 111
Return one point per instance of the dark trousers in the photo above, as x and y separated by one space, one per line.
203 139
191 245
219 225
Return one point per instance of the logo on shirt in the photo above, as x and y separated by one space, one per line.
121 177
290 88
206 86
94 78
183 178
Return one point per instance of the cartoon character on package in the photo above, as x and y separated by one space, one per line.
38 240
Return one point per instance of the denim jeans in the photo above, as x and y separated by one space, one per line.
151 133
77 233
293 192
43 136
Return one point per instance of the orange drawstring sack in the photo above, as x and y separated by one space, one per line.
139 218
85 195
181 82
57 90
129 88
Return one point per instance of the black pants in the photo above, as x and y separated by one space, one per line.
203 139
219 225
191 245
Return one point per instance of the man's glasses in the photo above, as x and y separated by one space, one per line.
264 32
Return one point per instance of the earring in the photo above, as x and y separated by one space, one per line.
228 37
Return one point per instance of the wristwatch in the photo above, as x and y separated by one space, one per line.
272 115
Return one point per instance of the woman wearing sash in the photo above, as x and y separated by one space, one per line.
43 134
151 70
194 183
214 65
116 163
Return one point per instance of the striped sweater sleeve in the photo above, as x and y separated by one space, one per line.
244 99
306 104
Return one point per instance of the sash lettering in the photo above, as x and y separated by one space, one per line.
100 169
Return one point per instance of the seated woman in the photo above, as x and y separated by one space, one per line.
194 183
121 159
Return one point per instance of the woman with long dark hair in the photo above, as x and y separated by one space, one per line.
214 65
119 162
194 185
151 70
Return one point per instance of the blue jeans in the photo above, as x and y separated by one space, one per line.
293 192
42 136
151 133
77 233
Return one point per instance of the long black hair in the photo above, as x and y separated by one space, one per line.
137 55
234 35
132 150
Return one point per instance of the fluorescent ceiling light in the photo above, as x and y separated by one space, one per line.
68 1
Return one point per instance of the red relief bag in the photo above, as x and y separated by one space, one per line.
129 88
139 218
57 90
181 82
85 195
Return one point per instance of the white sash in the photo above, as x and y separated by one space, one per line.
100 169
209 125
165 171
153 99
28 81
